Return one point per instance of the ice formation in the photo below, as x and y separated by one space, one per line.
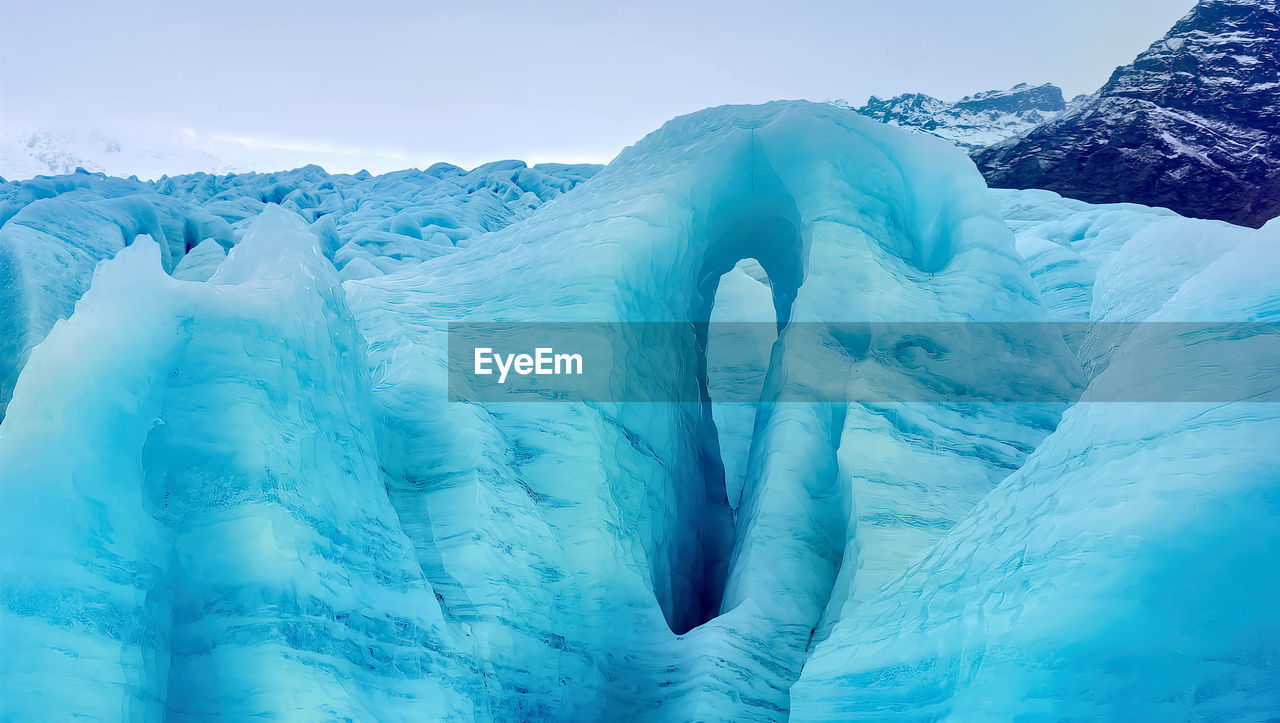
55 230
233 485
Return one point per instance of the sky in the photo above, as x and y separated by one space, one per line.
387 85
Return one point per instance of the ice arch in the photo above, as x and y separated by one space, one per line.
751 216
629 543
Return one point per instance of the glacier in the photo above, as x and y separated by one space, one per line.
233 484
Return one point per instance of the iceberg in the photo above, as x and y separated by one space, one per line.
236 479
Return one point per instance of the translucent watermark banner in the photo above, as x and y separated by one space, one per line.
872 362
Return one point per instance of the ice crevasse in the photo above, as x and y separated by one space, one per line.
232 484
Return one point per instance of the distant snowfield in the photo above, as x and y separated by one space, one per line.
151 154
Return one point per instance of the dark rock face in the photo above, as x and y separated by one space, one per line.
1193 124
1019 98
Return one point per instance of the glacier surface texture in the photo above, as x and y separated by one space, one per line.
232 484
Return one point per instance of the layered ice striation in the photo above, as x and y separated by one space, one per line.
233 484
216 520
1123 571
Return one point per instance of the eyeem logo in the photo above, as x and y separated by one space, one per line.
543 362
864 362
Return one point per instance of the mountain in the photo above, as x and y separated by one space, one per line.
975 121
1193 124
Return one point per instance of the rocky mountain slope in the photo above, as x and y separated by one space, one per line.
1193 124
975 121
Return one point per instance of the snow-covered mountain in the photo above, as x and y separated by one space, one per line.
1193 124
974 121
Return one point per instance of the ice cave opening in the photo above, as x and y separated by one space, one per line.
740 337
748 281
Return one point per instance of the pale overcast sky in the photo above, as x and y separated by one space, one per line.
479 80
